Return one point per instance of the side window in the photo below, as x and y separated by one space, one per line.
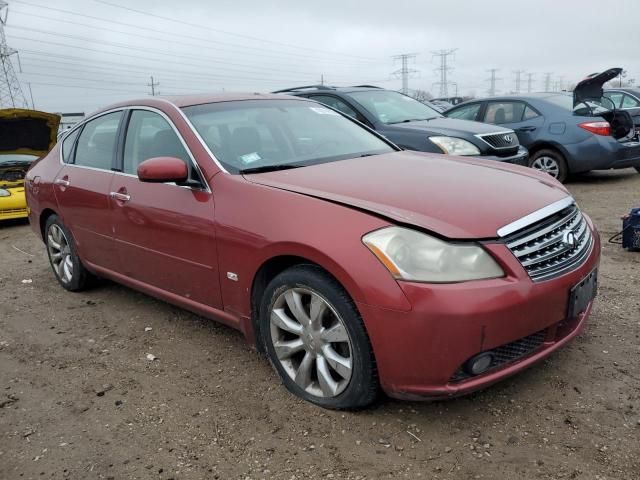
629 102
504 112
615 97
149 135
529 113
97 142
68 144
337 104
466 112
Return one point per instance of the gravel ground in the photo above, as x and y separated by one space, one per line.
80 399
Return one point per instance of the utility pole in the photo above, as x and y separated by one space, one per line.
11 94
518 74
529 80
560 82
492 81
153 86
404 72
443 69
322 79
33 105
547 81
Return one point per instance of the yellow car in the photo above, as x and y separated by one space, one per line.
25 136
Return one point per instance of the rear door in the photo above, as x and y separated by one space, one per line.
164 233
82 187
517 115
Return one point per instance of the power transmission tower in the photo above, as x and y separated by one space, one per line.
443 69
529 82
404 71
492 81
11 94
153 86
518 74
547 81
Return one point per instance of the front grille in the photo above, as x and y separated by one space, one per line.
499 140
507 353
544 248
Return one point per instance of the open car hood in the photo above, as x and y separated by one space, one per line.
27 132
590 89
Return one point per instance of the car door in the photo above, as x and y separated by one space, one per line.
83 184
632 105
521 117
164 233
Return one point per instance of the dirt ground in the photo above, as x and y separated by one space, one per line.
79 399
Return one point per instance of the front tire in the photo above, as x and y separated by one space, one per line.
551 162
316 341
63 256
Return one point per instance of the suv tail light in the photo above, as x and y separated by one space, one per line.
598 128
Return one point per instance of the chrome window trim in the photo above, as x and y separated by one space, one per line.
536 216
166 118
504 132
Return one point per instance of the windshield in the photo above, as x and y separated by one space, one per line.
5 159
392 107
268 134
584 108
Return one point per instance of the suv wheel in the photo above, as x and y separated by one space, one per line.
316 341
551 162
63 256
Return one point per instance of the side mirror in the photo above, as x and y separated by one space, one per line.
163 169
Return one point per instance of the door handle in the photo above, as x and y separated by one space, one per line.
122 197
62 182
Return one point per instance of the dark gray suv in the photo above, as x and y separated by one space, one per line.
413 125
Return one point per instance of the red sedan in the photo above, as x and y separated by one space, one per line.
352 264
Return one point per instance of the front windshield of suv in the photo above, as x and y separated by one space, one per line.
262 135
392 107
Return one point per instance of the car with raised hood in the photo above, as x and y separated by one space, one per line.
565 134
413 125
353 265
25 136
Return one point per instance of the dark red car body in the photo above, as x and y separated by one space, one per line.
180 244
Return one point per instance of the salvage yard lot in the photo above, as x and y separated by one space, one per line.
80 399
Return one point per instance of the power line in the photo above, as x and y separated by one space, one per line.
404 71
443 69
11 94
208 28
492 81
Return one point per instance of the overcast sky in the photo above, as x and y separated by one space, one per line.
79 55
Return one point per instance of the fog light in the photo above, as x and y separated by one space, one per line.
479 364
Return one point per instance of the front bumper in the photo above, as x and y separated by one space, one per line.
419 352
520 158
14 206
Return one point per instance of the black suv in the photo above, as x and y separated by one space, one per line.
413 125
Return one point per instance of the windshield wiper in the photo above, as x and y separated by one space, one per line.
410 120
270 168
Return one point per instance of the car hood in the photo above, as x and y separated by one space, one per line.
451 127
591 87
451 196
27 132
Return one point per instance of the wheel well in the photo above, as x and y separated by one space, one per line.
546 146
44 216
267 272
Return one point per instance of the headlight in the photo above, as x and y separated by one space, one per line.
455 146
4 193
415 256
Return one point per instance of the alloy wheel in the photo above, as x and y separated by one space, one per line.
60 253
548 165
311 342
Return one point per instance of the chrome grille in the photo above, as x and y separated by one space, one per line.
498 140
508 353
541 247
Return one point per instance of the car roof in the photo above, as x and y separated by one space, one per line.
634 91
328 89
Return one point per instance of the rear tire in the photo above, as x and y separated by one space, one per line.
63 256
551 162
315 339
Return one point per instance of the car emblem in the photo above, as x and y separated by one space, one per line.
508 138
569 239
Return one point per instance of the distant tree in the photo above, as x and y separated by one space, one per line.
421 95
